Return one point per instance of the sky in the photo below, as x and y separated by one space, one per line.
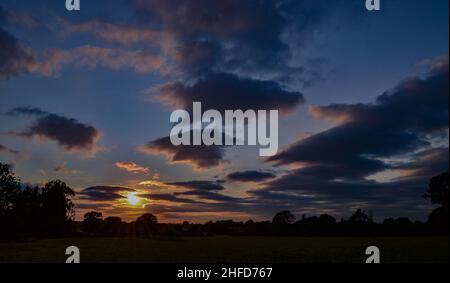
86 97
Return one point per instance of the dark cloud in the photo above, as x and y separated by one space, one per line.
209 195
67 132
104 193
251 27
14 58
199 185
233 55
302 186
400 122
224 91
302 194
251 176
201 157
418 105
221 92
203 190
166 197
233 36
425 163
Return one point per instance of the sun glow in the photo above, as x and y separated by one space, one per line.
133 199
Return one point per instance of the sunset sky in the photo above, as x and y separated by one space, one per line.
86 97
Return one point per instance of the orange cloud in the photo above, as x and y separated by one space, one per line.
132 167
125 35
93 57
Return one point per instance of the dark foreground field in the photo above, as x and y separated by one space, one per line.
229 249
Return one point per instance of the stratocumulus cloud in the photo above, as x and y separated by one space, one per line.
93 57
383 129
200 157
70 134
15 58
104 193
132 167
224 92
250 176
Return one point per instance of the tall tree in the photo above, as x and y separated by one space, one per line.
57 206
438 194
283 218
9 189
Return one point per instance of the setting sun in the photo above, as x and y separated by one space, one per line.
133 199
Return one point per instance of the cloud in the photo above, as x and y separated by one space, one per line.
70 134
250 176
104 193
247 38
209 196
212 24
424 164
203 190
132 167
13 152
14 57
93 57
166 197
239 44
400 122
199 185
232 56
303 194
63 169
200 157
125 35
417 104
224 92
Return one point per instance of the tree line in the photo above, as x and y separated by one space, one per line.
48 211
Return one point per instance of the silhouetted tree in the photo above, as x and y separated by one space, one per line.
92 222
146 224
93 216
438 194
326 219
27 215
147 219
402 221
57 206
283 218
360 217
9 189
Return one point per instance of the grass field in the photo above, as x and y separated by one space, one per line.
229 249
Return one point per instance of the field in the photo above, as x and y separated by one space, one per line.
225 249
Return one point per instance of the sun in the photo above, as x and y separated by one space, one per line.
133 199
